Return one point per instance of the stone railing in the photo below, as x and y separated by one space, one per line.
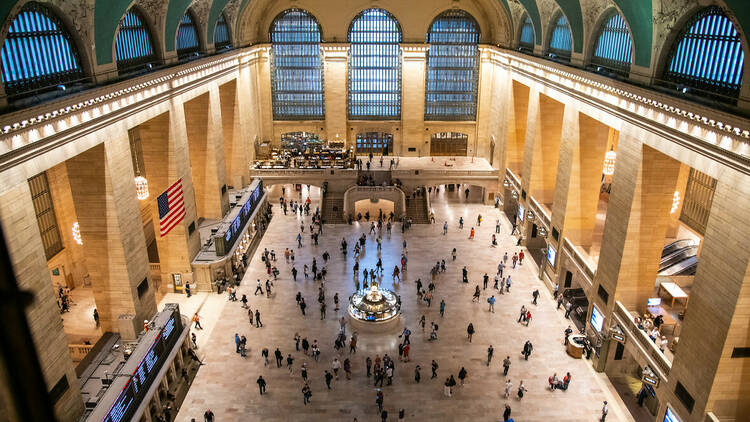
79 351
513 179
286 172
583 264
540 212
647 347
390 193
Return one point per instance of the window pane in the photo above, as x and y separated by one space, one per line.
561 42
221 33
614 47
187 37
527 35
375 66
297 74
452 67
133 45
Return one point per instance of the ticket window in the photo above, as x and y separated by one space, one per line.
177 282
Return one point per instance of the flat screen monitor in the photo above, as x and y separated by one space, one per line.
670 416
551 255
521 213
654 301
597 318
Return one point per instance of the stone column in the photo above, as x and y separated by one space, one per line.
248 108
30 267
101 182
165 156
335 85
236 143
582 149
412 102
490 108
543 132
718 316
206 148
262 72
518 97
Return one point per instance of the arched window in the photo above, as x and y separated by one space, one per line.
133 45
560 42
221 34
297 73
187 37
374 66
614 48
452 67
708 55
38 52
526 41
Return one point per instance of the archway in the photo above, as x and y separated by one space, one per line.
375 206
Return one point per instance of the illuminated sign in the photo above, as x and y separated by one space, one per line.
597 318
618 337
134 391
521 213
551 255
670 416
224 244
651 380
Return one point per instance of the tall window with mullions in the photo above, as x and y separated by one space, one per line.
297 73
452 67
187 37
374 66
526 40
614 48
560 43
133 45
708 56
38 52
221 34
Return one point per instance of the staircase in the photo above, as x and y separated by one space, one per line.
333 209
416 209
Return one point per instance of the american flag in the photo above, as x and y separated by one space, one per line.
171 207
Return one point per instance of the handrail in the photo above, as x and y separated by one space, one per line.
658 360
513 179
540 211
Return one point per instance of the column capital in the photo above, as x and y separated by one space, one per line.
414 52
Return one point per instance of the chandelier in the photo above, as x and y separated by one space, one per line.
141 187
609 162
675 202
77 233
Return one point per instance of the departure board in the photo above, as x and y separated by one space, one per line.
145 373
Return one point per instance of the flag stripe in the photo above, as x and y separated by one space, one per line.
173 211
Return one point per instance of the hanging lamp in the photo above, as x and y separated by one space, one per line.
77 233
609 162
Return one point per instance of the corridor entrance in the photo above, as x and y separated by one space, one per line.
448 144
375 142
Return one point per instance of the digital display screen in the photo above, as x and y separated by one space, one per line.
551 255
654 301
145 372
233 231
670 416
597 319
521 212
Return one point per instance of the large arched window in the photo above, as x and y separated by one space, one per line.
297 73
133 45
452 67
187 37
614 48
560 42
526 41
708 55
374 66
38 52
221 34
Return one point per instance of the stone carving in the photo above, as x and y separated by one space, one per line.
200 10
592 10
666 16
80 14
154 11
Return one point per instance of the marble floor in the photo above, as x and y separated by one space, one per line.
227 382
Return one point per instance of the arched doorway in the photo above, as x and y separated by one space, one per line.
449 144
375 143
375 206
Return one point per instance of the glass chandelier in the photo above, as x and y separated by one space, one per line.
609 162
77 233
141 184
141 187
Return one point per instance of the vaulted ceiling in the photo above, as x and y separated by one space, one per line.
650 21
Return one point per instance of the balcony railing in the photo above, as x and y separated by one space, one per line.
583 264
648 348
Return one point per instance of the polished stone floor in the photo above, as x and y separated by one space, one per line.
227 382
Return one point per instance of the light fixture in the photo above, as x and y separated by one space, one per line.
77 233
141 183
542 231
515 194
675 202
530 215
506 183
141 187
609 162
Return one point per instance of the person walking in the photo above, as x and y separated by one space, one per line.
417 374
506 365
568 331
279 357
264 354
520 257
445 228
535 294
605 410
527 348
508 387
306 394
434 369
336 365
379 400
491 301
462 374
471 234
506 413
442 309
261 385
328 377
470 331
521 390
568 308
208 416
258 324
490 352
447 387
197 321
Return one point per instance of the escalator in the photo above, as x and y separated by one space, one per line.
679 258
676 245
676 257
687 266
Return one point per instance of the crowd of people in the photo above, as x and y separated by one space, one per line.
335 359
